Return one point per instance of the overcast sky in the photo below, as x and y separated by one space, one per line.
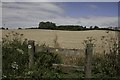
29 14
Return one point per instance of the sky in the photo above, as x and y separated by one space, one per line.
29 14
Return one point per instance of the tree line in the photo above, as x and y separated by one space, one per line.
53 26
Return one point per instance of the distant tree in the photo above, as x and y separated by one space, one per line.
47 25
96 27
50 25
6 28
91 27
3 28
116 28
19 28
85 27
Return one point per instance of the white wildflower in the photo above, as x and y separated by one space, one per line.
21 51
4 76
14 65
30 72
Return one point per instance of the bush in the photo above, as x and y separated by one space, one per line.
105 65
14 55
16 59
43 65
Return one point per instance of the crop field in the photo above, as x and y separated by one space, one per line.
69 39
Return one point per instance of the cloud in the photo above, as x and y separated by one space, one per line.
60 0
30 6
100 21
26 0
0 14
27 13
30 14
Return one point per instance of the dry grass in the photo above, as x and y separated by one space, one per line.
71 59
66 39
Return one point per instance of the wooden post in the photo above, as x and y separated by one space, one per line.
118 59
88 60
118 68
31 51
0 59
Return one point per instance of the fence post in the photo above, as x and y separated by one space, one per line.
118 58
31 51
88 60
